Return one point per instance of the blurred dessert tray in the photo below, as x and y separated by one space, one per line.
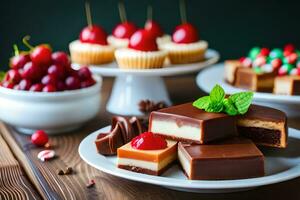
133 85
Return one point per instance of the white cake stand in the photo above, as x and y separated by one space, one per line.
132 86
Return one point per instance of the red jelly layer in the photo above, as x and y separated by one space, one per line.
148 141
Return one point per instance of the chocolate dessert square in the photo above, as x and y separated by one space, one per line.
248 79
264 126
287 85
186 123
235 158
231 67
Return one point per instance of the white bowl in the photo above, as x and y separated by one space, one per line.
55 112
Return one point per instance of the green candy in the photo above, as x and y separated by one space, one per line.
298 53
276 53
285 60
258 70
288 67
254 52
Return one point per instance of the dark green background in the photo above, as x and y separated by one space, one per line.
231 27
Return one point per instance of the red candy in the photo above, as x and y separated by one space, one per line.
143 40
292 58
264 52
124 30
148 141
259 61
282 71
94 35
289 48
39 138
276 63
185 33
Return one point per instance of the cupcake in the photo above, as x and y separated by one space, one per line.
121 34
92 47
142 52
161 38
186 47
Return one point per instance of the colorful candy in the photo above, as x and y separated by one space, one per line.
46 155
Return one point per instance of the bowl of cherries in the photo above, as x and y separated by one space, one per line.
42 91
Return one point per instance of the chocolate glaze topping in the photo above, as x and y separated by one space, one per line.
123 130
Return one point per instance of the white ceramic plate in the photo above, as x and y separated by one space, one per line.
112 69
280 165
207 79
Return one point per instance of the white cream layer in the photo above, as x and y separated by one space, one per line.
153 166
191 46
131 53
184 162
171 128
80 46
117 42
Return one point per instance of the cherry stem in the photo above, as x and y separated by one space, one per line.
182 7
16 50
25 41
88 13
149 12
122 11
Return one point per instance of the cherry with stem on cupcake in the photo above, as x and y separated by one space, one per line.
125 29
92 33
152 26
185 32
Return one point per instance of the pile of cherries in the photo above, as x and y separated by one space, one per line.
284 61
40 70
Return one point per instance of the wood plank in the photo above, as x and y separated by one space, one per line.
107 186
14 183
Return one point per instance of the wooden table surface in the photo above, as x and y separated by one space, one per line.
23 176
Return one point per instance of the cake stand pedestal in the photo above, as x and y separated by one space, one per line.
132 86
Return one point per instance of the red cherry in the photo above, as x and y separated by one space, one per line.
41 55
39 138
16 87
84 73
87 83
143 40
57 70
292 58
31 71
49 88
72 83
264 52
124 30
289 47
24 84
60 86
276 63
94 35
8 84
148 141
13 75
18 62
60 58
49 79
185 33
154 28
287 53
38 87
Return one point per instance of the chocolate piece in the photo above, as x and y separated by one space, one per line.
147 106
122 131
287 85
235 158
231 67
248 79
186 123
265 126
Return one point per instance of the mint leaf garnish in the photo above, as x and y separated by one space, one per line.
216 102
229 107
242 101
202 102
217 94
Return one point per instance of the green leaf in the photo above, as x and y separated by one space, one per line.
217 94
202 102
229 107
2 75
242 101
215 107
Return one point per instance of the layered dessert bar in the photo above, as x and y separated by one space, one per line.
287 85
231 67
248 79
264 126
153 162
186 123
234 158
